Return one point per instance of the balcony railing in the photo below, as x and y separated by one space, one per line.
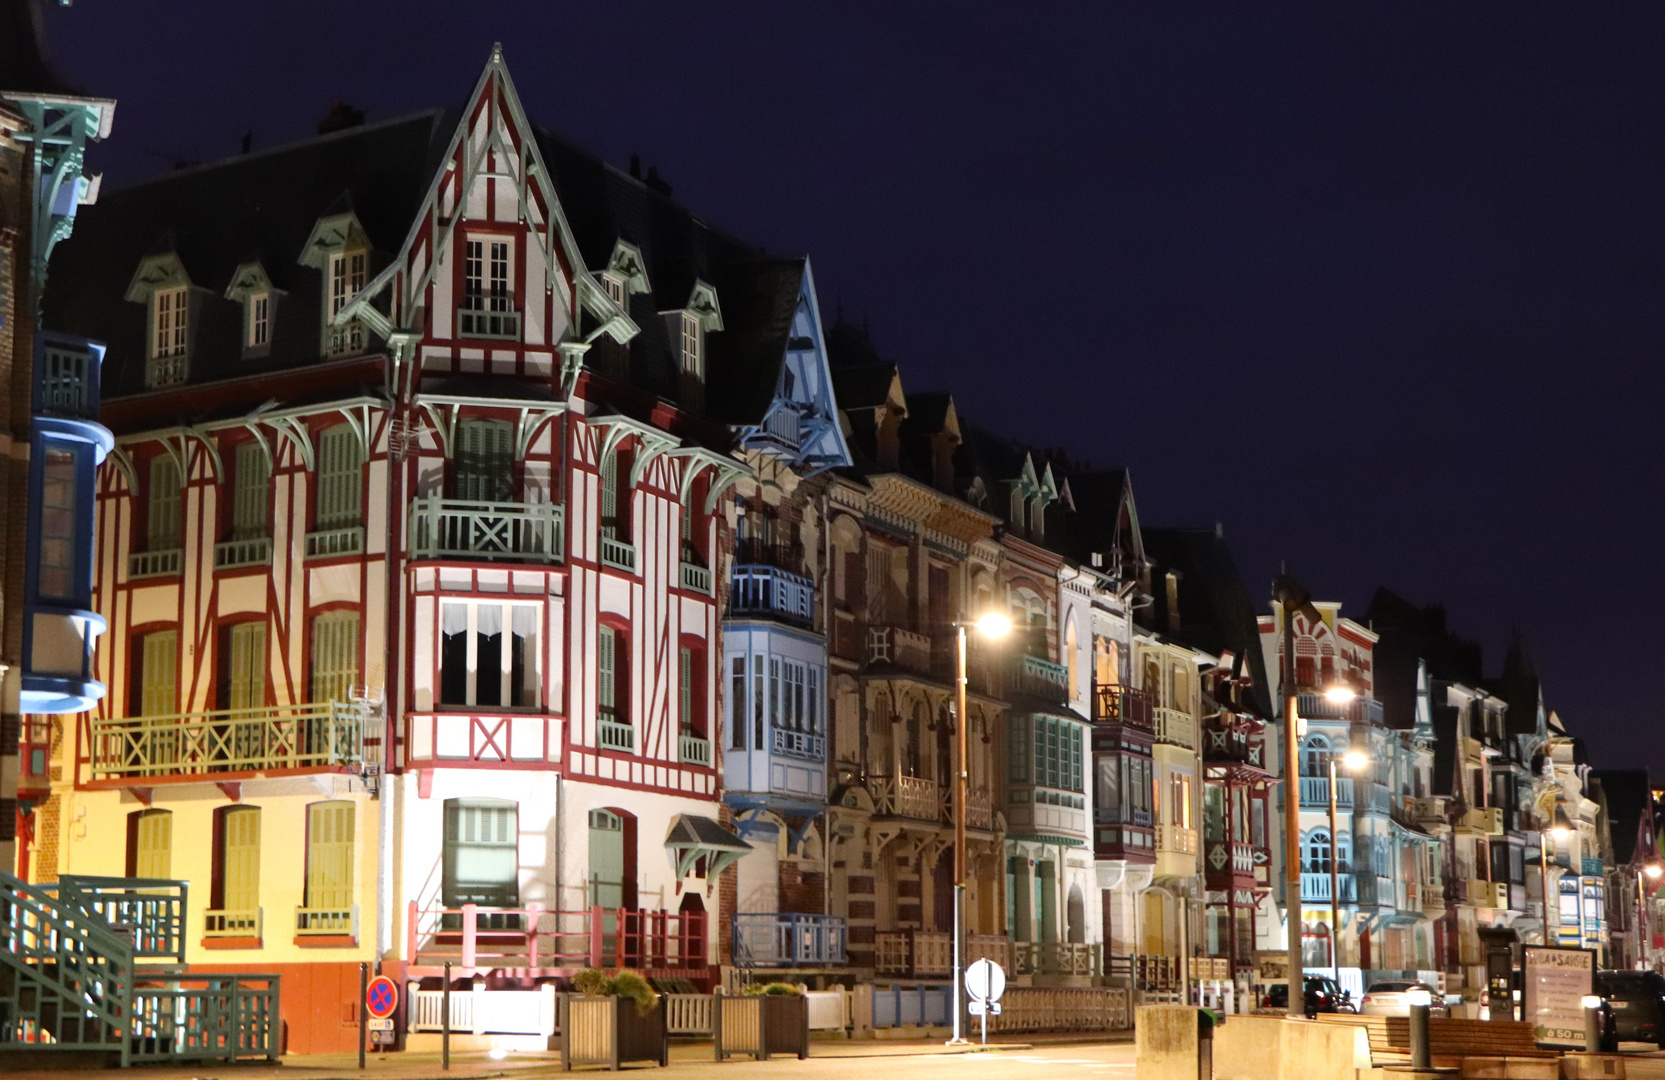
1316 887
1055 958
500 325
1034 677
914 952
235 553
1242 858
345 340
769 591
800 744
894 645
534 938
615 735
66 379
1177 727
618 554
1358 711
693 750
335 922
696 578
786 939
1122 705
143 564
1176 838
907 796
1486 819
322 735
220 922
163 371
327 542
467 529
979 809
1315 791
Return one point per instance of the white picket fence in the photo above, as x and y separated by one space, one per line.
485 1012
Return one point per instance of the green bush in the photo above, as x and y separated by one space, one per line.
774 989
625 984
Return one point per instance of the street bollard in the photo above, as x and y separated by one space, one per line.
363 1022
1420 1002
1592 1023
1207 1019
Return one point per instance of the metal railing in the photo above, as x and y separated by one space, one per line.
693 749
788 939
1177 727
1315 791
1037 678
1122 705
499 325
327 542
468 529
234 553
1317 887
1055 958
615 735
339 922
696 578
533 937
907 796
321 735
767 590
800 744
149 913
143 564
619 554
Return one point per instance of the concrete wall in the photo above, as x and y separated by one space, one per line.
1275 1048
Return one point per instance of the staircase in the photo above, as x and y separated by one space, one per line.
71 978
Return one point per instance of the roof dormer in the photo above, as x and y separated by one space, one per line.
252 287
339 248
625 274
687 326
170 300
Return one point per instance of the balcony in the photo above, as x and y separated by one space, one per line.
618 554
614 735
1176 839
787 939
241 553
1484 819
1032 808
66 378
899 647
327 735
1055 958
1357 711
993 947
979 809
164 371
1176 727
763 591
907 797
914 953
493 531
497 325
800 744
1315 888
1315 792
1033 677
1122 705
696 578
668 944
344 340
694 750
328 542
223 923
326 922
1428 809
145 564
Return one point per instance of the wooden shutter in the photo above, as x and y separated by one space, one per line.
610 496
334 656
251 516
248 666
606 673
159 682
154 856
340 479
162 516
482 863
485 460
329 856
685 689
242 859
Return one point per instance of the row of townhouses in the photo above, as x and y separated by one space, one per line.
445 549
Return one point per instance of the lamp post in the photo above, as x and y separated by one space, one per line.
1292 599
1560 831
1651 870
1355 761
992 625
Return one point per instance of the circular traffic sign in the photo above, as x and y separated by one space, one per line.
381 997
985 981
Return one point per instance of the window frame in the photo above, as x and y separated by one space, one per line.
257 335
170 322
529 688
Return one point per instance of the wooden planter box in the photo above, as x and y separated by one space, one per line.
610 1030
760 1025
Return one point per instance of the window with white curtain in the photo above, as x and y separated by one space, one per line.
489 654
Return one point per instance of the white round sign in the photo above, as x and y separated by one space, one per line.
985 981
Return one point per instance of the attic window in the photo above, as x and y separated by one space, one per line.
170 316
693 360
615 288
488 290
260 320
346 280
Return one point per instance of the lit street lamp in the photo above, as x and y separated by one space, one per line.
1559 832
1652 871
992 625
1293 600
1355 761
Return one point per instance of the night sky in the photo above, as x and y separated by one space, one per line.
1378 287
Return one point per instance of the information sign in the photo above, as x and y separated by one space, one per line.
1556 983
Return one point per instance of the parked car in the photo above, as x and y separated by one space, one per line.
1634 1009
1323 995
1394 999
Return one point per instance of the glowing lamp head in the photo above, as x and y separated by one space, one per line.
1355 760
1340 694
994 625
1653 870
1560 832
1591 1001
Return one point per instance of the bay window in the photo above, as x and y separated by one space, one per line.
489 655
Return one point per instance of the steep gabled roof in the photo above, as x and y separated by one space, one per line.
1629 809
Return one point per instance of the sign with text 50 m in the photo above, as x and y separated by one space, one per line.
1557 981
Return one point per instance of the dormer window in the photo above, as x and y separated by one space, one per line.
347 272
615 289
171 313
488 290
693 355
260 321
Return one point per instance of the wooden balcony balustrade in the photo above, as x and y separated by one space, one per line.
907 796
1176 726
914 952
768 591
788 939
479 530
1122 705
1035 677
536 939
903 648
321 735
1055 958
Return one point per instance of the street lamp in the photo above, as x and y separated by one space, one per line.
1293 600
1651 870
992 625
1355 761
1560 831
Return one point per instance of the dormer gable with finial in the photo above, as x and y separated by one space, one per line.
171 304
251 287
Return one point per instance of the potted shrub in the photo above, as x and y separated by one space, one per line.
768 1019
610 1019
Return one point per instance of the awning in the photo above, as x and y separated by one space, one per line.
693 837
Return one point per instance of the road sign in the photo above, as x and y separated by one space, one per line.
379 1023
985 981
381 997
979 1007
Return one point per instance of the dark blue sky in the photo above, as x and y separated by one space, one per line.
1376 286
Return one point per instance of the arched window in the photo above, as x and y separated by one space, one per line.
1315 756
1318 852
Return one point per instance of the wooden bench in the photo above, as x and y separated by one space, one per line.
1449 1039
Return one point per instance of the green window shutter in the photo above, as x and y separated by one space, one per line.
154 857
485 461
242 859
685 689
162 524
159 683
610 495
607 673
340 479
250 508
248 665
329 856
481 862
334 656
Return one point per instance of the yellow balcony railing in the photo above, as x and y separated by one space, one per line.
326 734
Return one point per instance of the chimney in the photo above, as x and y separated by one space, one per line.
636 166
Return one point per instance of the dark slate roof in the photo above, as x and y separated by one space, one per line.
1098 500
1520 687
1394 663
215 217
1445 718
1216 613
1629 808
1425 629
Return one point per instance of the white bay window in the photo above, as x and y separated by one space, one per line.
489 654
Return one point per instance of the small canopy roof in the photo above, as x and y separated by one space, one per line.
692 837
